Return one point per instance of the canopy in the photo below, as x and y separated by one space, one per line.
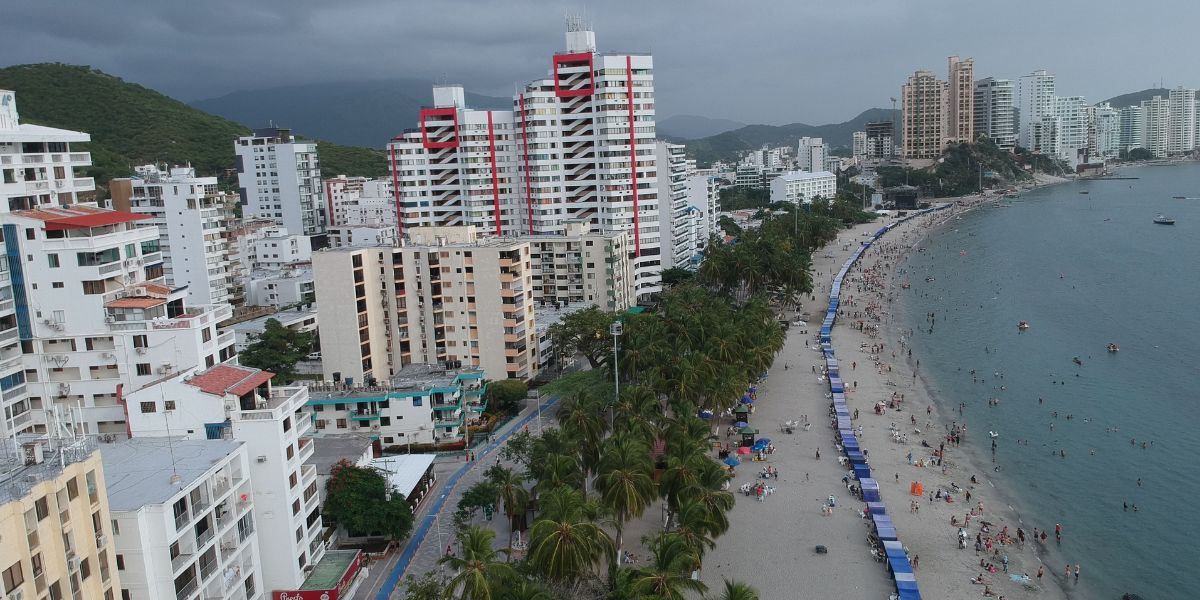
743 450
742 408
748 431
862 472
706 414
740 424
747 400
733 462
876 508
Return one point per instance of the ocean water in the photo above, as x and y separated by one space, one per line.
1084 270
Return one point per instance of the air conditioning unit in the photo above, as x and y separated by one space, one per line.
374 428
15 595
107 355
58 326
308 569
109 319
47 322
139 291
141 350
163 370
101 540
262 458
230 407
72 562
64 390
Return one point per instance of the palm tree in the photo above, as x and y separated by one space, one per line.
736 590
583 420
478 574
527 590
716 502
682 472
668 576
624 482
511 492
558 470
565 542
637 413
695 526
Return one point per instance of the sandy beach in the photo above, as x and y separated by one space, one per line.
780 533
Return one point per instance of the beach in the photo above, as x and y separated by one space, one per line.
782 530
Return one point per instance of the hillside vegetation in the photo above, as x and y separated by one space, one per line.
961 170
132 125
728 145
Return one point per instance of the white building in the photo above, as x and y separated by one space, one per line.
1155 125
37 165
183 519
191 217
284 287
1035 103
279 178
339 191
676 231
376 211
239 403
704 201
350 236
1133 129
810 154
273 249
582 266
1072 115
799 187
1107 127
858 143
1181 121
297 319
995 115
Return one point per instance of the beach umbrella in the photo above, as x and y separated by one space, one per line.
706 414
740 424
733 462
743 450
747 400
764 441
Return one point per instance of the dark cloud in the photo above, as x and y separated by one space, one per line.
756 61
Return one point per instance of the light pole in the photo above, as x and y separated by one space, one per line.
437 519
616 329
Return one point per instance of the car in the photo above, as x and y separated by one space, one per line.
313 356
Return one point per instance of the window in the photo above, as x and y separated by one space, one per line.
168 405
13 576
42 507
140 341
341 423
53 258
85 569
36 562
293 480
72 488
149 407
120 562
417 401
93 287
206 334
143 368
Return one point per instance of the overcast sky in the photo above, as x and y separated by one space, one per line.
782 61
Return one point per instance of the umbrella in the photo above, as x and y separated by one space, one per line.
744 450
764 441
706 414
747 400
733 462
740 424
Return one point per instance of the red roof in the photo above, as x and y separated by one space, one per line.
135 302
228 379
79 217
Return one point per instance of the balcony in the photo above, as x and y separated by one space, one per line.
180 561
187 590
85 183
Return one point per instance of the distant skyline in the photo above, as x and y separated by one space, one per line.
774 63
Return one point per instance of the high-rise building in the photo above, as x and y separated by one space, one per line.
1035 102
1155 125
227 402
279 177
858 145
881 139
924 115
676 231
581 267
960 98
55 522
995 115
191 217
1107 129
1071 113
1181 120
339 190
579 144
183 516
37 163
810 154
1133 130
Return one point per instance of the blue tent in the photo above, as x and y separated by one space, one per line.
870 489
856 457
862 472
907 581
876 508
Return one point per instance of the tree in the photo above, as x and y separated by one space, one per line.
1140 154
506 396
675 275
624 481
736 590
583 421
360 501
277 350
585 332
478 572
428 587
481 494
510 491
566 543
668 576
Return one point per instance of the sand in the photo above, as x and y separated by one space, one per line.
771 543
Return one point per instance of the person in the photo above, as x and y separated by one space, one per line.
1041 569
1004 560
1077 573
818 454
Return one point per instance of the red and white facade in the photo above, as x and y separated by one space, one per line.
578 145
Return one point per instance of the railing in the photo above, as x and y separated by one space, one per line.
182 519
204 538
179 561
186 591
37 186
85 182
9 334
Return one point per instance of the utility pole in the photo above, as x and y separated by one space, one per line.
616 329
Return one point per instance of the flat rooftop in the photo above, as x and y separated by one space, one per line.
328 450
283 316
329 571
404 471
18 478
412 378
547 315
138 471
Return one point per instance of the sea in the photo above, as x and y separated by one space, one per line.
1078 444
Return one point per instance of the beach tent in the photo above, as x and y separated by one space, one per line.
862 472
876 508
856 457
742 411
870 489
885 529
906 586
916 489
844 423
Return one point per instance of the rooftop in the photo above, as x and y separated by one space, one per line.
283 316
76 216
413 377
26 132
18 478
404 471
546 315
328 450
328 573
138 471
228 379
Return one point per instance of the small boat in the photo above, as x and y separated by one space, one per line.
1077 361
1023 325
1113 347
1179 197
1161 220
1084 192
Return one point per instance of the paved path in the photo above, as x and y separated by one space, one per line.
424 547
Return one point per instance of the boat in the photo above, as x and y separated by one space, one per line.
1084 192
1161 220
1179 197
1077 361
1023 325
1113 347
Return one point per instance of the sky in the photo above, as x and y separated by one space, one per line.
754 61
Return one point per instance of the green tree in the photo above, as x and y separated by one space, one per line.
676 275
359 500
506 396
1140 154
584 421
736 590
668 576
566 543
480 494
478 572
277 350
426 587
585 332
511 493
526 590
624 482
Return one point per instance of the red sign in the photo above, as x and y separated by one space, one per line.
330 594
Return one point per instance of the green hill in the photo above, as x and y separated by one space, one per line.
132 125
1136 98
728 145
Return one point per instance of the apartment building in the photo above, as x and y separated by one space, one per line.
191 217
338 191
279 177
810 154
1133 130
858 145
227 402
1156 121
442 297
1107 127
349 236
800 187
923 118
183 519
55 523
1181 121
881 139
581 266
37 164
960 101
995 114
704 202
676 231
1035 106
421 404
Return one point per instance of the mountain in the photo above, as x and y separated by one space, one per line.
132 125
1135 98
726 146
361 113
690 127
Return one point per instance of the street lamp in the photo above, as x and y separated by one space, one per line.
616 329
